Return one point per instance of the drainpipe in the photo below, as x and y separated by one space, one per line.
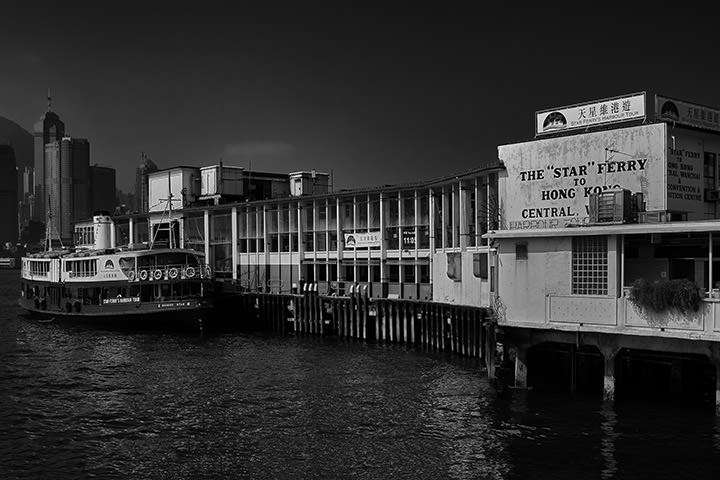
710 262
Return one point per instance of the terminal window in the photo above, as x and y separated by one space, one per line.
480 265
589 266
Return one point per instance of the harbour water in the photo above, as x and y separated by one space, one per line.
82 402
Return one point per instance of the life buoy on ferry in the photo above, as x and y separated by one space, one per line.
190 272
131 276
143 275
173 272
208 271
157 274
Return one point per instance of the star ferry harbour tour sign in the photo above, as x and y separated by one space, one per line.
584 115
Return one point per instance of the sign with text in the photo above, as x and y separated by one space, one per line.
549 181
185 303
408 239
120 300
362 239
584 115
685 174
687 113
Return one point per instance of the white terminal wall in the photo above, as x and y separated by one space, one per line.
160 184
222 180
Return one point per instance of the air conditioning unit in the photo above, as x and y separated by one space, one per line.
612 206
655 216
661 216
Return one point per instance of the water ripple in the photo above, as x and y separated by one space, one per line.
78 402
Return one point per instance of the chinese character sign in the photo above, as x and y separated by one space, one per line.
619 109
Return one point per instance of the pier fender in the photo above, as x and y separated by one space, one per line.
36 302
77 305
68 307
43 304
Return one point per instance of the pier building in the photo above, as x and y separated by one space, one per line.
413 241
591 247
605 257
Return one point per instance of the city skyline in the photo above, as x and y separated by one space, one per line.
374 96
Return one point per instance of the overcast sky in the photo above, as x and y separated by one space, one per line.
375 92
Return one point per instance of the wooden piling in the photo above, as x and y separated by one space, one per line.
365 303
428 325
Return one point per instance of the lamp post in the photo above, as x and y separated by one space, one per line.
608 160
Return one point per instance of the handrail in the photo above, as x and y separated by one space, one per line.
169 271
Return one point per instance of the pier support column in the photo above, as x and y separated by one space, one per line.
717 388
490 332
715 359
676 376
609 354
521 366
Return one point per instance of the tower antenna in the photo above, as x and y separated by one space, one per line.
49 100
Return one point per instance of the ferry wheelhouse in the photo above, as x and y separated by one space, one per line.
126 284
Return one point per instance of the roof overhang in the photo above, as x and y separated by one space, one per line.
610 229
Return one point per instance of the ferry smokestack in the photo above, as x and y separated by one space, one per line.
102 226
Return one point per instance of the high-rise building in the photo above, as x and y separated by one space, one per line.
81 207
66 187
25 189
102 188
146 167
8 195
53 206
47 130
21 142
67 183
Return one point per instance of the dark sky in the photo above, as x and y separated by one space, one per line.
378 93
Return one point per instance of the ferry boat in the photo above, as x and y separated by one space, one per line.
133 286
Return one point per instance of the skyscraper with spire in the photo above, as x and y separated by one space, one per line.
61 178
47 130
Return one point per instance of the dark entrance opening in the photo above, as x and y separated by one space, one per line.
565 368
664 376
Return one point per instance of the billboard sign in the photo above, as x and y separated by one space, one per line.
362 239
549 181
686 113
584 115
685 182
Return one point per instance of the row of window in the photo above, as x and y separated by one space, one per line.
81 268
39 268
